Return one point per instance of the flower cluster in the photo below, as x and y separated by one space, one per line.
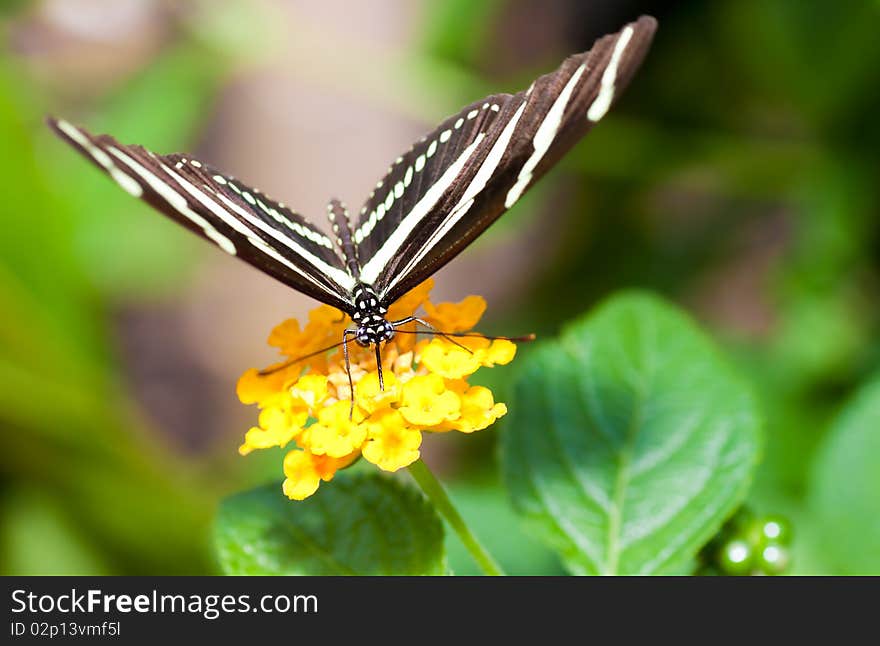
309 403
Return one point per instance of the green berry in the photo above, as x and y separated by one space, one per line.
774 558
736 557
775 530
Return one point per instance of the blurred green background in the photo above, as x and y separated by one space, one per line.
738 177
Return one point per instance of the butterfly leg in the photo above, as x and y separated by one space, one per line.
345 336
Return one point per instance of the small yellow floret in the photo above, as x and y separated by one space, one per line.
426 401
335 434
392 443
371 398
444 358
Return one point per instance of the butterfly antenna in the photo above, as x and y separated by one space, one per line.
526 338
290 362
450 335
431 328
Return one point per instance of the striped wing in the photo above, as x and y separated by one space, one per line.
438 197
240 220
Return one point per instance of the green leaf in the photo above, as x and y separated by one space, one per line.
484 505
845 487
356 525
38 538
629 440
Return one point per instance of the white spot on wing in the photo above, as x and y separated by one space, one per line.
128 184
481 178
177 201
544 137
383 255
606 89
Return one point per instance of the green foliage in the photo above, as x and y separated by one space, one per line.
485 505
746 197
629 440
96 482
846 486
445 39
38 538
358 524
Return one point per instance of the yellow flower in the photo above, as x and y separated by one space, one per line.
335 434
253 388
304 471
427 402
444 358
309 402
500 353
278 425
407 304
310 390
456 317
392 444
371 398
478 410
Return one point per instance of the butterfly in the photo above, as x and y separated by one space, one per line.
434 201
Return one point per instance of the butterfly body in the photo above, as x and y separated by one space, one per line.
369 316
433 202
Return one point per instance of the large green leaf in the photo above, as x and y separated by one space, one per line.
484 506
356 525
629 440
845 487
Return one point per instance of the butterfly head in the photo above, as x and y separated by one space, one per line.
369 316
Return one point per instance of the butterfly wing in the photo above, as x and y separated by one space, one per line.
443 193
238 219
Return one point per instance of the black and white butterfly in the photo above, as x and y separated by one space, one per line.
433 202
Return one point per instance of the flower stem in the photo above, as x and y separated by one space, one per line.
435 492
